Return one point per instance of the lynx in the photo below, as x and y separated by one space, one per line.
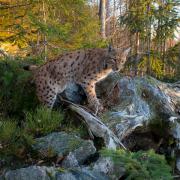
84 67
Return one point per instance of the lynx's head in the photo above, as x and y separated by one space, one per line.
116 58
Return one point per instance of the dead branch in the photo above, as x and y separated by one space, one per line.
97 127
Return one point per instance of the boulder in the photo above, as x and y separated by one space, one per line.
48 173
136 103
61 144
107 166
29 173
81 174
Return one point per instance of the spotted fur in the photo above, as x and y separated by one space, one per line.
84 67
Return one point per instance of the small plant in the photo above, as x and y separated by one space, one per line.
13 140
7 131
141 165
42 121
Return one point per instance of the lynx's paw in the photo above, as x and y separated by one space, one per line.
97 108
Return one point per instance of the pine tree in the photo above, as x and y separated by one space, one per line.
49 27
167 19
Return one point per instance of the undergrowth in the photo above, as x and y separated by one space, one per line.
140 165
17 92
16 139
43 121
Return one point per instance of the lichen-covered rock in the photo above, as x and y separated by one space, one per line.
48 173
62 144
81 174
29 173
129 111
135 102
70 161
107 166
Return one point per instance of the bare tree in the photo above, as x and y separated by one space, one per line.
108 15
102 16
45 37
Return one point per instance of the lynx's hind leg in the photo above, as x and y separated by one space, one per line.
47 95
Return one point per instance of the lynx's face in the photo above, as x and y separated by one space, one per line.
116 58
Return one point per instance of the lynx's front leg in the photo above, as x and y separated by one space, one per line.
92 98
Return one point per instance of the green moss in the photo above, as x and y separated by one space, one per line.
61 170
74 144
151 80
141 165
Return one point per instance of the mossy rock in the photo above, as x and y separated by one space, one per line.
61 144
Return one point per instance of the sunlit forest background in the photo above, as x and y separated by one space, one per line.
42 29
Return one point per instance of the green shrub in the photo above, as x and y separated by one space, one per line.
42 121
13 139
17 93
7 130
141 165
16 140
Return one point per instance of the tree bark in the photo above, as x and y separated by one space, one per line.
108 14
45 37
148 40
137 53
102 16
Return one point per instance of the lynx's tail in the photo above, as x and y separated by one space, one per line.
30 67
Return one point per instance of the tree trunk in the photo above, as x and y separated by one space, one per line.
102 16
163 55
45 37
137 53
148 40
108 14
